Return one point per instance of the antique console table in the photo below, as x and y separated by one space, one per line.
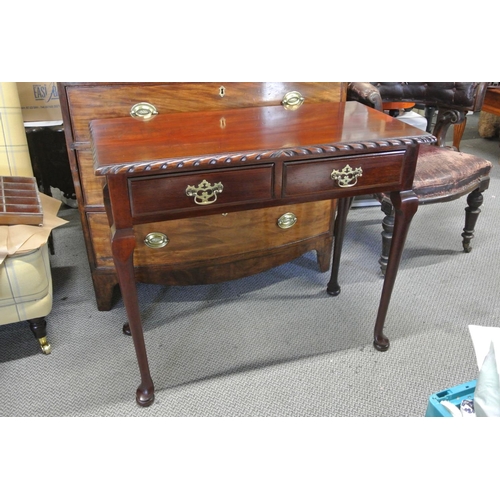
193 164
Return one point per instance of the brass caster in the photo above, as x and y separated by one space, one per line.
45 346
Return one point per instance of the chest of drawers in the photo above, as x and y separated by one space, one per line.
228 251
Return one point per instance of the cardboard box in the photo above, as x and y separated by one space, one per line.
39 101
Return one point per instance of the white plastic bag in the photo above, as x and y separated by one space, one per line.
486 341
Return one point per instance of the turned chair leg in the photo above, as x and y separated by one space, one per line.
39 328
472 211
388 229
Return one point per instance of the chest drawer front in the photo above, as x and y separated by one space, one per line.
160 194
215 236
90 102
226 234
357 172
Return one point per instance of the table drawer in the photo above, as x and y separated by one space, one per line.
353 173
155 195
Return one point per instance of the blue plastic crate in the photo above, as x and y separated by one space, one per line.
454 395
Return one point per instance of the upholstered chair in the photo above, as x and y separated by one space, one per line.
442 173
25 277
451 100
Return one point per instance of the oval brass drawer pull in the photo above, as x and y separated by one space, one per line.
292 100
347 177
156 240
143 111
287 220
205 193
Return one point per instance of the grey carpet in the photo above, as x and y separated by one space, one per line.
274 344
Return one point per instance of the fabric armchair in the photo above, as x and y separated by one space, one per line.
25 276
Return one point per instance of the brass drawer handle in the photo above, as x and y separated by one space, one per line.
205 193
292 100
143 111
347 177
287 220
156 240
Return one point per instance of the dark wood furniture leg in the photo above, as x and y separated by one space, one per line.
344 204
123 244
472 211
405 205
458 132
429 113
387 231
122 249
104 287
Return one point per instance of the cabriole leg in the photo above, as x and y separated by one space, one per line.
405 205
123 243
344 204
